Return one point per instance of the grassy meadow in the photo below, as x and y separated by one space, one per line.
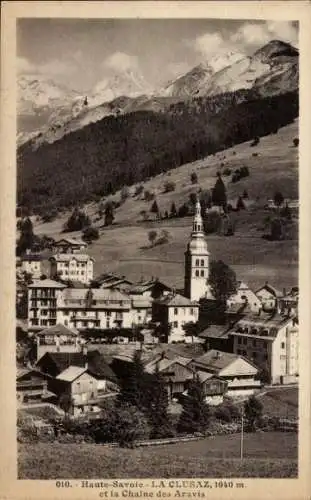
124 247
271 454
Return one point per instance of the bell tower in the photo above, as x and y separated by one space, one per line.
196 260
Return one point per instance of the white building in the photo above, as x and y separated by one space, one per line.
72 267
196 260
31 264
173 311
271 342
244 295
268 296
43 299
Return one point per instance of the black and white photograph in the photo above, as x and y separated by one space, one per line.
157 252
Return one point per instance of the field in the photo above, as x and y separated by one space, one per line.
269 454
281 402
124 247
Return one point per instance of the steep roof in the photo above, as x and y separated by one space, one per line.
71 241
218 360
71 373
31 258
100 294
274 291
46 284
67 257
97 364
176 300
58 329
144 286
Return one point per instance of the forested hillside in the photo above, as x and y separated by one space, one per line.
100 158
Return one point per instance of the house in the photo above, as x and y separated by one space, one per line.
31 264
214 387
175 372
54 363
95 308
111 280
79 386
236 370
217 337
32 386
268 296
244 295
69 245
288 304
152 289
43 297
72 267
57 338
272 342
173 311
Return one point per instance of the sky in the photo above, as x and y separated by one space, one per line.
79 53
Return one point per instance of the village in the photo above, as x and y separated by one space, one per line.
83 332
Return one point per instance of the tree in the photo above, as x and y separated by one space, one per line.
245 194
223 282
133 386
173 211
253 412
296 142
154 208
212 222
277 229
240 204
193 198
152 237
219 196
109 214
157 406
66 404
27 237
278 198
169 186
125 193
286 212
255 141
183 210
90 234
194 178
195 413
77 221
191 329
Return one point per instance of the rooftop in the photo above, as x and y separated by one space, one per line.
58 329
71 373
71 241
98 294
67 257
31 258
144 286
218 360
274 291
47 283
176 300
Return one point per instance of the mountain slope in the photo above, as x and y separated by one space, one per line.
103 156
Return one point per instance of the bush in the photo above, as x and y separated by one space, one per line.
77 221
296 142
148 196
212 222
152 235
255 141
125 193
90 234
138 190
183 211
227 171
194 178
169 186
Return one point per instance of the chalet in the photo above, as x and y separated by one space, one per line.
57 338
268 296
173 311
244 295
54 364
217 337
32 386
237 371
111 280
288 304
152 289
31 264
69 245
214 387
79 386
175 372
71 267
272 342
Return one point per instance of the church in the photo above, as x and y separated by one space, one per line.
197 261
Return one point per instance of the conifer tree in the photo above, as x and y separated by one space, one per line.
27 237
157 405
195 413
219 196
173 211
154 208
133 386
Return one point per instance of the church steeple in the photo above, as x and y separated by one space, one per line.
196 259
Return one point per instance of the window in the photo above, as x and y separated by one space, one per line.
197 262
239 341
282 345
202 273
175 311
191 311
197 273
245 341
254 343
175 324
254 355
